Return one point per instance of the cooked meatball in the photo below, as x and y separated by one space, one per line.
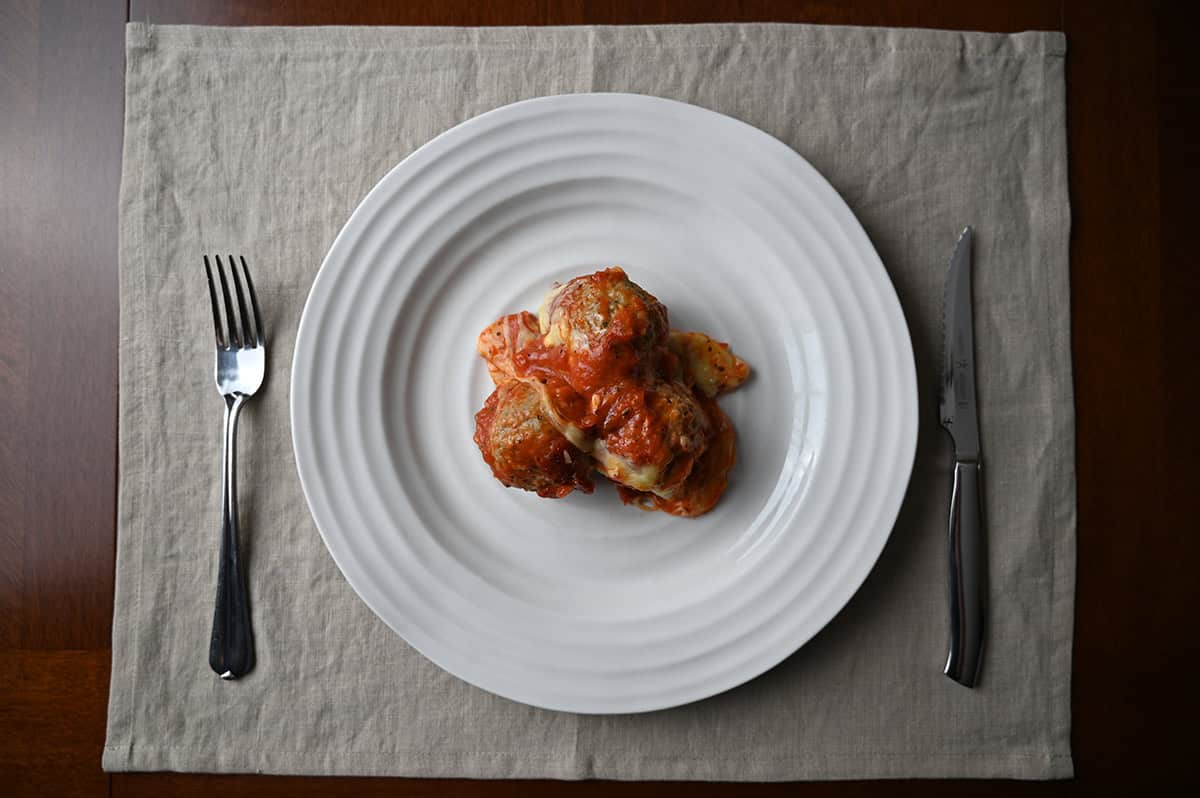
522 446
651 435
604 324
704 486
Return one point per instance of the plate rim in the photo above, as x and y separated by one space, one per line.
906 373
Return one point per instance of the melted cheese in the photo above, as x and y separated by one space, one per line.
553 334
618 469
578 438
501 340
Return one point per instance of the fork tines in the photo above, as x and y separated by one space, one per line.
243 330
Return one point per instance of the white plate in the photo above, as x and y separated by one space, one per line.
583 604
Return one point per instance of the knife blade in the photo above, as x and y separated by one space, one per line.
960 417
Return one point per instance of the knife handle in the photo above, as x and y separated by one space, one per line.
968 575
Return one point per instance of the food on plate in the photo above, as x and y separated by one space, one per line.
651 434
707 479
713 369
524 449
598 380
604 325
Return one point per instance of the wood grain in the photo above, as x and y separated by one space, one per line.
1132 95
18 96
1110 231
61 77
1176 590
1013 15
63 66
52 716
154 785
1134 561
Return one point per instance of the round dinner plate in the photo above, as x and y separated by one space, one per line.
583 604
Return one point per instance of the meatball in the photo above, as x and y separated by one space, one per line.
704 486
605 325
652 434
524 449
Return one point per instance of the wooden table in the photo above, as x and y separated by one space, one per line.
1132 89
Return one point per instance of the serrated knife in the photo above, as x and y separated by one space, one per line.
960 417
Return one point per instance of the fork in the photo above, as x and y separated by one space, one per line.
240 365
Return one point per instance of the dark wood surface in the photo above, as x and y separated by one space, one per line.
1132 93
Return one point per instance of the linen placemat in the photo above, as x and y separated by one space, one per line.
262 141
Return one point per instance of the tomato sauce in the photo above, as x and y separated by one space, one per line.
533 456
604 373
708 478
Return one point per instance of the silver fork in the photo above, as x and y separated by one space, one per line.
241 363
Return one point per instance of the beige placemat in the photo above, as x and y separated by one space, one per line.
263 141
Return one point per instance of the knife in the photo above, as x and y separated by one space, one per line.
960 417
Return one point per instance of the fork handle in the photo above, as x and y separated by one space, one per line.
231 650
